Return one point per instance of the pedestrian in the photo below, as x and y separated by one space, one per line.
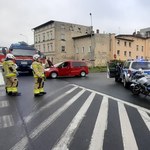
10 75
39 77
50 64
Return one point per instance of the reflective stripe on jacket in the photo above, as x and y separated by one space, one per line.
9 68
38 69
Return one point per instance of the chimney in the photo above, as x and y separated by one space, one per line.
97 31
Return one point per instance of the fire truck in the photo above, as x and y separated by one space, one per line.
24 55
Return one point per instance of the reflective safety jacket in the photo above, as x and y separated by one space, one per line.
9 68
38 69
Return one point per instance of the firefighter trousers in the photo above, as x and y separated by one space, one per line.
11 84
38 85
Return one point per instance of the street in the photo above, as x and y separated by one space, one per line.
90 113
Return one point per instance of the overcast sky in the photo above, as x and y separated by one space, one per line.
19 17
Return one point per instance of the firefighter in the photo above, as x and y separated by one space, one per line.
39 77
10 75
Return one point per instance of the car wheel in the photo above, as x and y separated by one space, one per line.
82 74
53 75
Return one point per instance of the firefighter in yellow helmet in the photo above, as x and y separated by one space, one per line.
10 75
39 77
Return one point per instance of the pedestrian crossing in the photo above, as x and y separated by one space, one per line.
5 120
87 120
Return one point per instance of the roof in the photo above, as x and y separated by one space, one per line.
121 36
44 24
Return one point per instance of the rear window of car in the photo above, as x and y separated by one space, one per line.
142 65
78 64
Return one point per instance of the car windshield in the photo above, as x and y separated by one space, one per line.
142 65
23 52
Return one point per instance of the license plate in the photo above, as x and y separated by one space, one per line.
24 63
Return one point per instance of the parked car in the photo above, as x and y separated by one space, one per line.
67 68
128 68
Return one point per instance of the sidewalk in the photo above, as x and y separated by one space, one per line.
1 79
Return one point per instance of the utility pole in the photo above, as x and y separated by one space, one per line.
92 47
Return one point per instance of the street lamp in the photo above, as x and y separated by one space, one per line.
25 37
92 50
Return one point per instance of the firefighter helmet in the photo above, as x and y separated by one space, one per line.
10 56
36 56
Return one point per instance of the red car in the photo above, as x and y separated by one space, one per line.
67 68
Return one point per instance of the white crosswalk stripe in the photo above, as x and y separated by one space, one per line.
5 120
98 134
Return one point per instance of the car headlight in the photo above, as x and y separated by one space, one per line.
47 69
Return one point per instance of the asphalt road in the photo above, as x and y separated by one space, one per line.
76 114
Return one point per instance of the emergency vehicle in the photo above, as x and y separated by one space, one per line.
127 69
24 56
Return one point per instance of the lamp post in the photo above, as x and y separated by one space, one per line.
92 50
25 37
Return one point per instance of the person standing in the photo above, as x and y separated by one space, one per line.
10 75
50 64
39 77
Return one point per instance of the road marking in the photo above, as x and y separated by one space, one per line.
129 141
100 127
68 134
1 79
4 104
116 99
35 113
146 118
47 122
6 121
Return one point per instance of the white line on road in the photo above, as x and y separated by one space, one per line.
6 121
68 134
4 104
116 99
129 141
146 118
35 113
46 123
100 127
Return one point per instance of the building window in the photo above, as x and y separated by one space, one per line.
43 37
77 50
137 57
48 48
142 48
82 49
43 47
125 53
118 52
63 37
51 35
47 35
51 47
137 47
118 42
130 54
129 44
90 49
39 38
63 48
125 43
